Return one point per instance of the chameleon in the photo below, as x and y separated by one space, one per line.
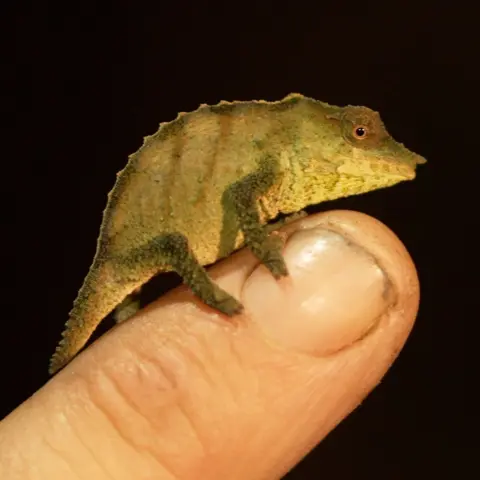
212 181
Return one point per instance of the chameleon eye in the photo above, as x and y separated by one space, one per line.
360 132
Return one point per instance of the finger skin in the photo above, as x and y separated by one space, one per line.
181 392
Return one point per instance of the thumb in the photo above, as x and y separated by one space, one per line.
181 392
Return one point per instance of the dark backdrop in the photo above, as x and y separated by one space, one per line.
88 82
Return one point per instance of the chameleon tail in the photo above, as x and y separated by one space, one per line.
99 295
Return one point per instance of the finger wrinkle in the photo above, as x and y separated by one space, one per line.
89 450
58 453
118 421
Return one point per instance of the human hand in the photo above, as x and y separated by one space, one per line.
181 392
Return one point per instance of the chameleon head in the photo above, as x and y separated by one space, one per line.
365 139
349 151
365 155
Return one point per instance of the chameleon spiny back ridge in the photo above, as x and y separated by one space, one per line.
209 181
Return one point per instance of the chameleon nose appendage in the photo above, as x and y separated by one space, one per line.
337 292
419 160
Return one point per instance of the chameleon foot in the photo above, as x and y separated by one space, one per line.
225 303
270 253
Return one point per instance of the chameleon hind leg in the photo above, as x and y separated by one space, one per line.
128 308
172 249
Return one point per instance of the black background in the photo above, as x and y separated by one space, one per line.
86 83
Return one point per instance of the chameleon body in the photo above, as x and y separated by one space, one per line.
208 182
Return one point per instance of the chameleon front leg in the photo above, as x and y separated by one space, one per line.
241 200
272 227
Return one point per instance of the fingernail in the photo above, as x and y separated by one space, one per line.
335 293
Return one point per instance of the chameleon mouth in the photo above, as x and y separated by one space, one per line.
407 169
410 170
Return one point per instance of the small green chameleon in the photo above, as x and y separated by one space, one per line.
210 181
